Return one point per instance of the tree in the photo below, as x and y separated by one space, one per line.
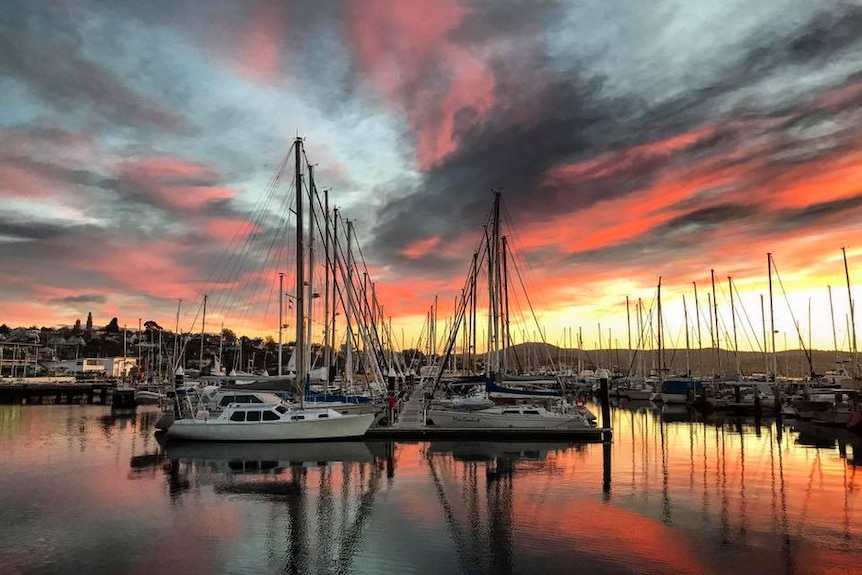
113 326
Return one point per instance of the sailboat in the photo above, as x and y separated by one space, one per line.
278 421
496 384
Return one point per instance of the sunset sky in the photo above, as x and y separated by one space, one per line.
631 140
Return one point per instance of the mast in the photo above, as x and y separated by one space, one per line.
203 335
506 341
658 339
832 316
348 286
280 318
687 349
765 342
309 333
299 350
176 339
717 332
489 369
852 313
335 267
733 318
327 358
772 318
473 310
629 330
496 283
697 319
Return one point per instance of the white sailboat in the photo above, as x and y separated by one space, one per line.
276 421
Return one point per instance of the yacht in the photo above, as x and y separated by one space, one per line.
511 417
269 422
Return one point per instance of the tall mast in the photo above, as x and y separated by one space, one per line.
852 312
506 341
327 359
658 339
629 329
497 285
687 347
348 286
335 267
203 335
717 332
765 342
299 350
176 339
832 316
697 319
308 319
489 368
772 318
733 318
473 309
280 318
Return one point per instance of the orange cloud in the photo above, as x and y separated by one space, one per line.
421 248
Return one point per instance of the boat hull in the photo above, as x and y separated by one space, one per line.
473 420
346 426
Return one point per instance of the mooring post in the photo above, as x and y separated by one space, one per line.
604 393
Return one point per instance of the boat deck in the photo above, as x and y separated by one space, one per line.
409 427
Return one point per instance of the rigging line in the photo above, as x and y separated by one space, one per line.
254 223
244 259
748 320
519 253
221 295
533 311
795 322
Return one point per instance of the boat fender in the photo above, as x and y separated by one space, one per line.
203 415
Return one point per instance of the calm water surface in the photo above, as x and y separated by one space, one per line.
85 490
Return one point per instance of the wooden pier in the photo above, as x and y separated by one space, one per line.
18 392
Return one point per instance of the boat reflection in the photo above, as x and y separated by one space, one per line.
267 457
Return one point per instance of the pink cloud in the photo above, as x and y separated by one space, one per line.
421 248
174 182
397 43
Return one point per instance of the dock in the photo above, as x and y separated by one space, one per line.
409 426
20 391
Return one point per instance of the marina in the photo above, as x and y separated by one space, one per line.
84 489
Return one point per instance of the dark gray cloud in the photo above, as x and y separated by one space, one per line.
53 69
546 116
80 299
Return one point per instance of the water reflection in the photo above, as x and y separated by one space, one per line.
318 495
675 492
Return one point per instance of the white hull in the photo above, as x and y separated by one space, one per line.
345 426
677 398
148 397
497 419
637 394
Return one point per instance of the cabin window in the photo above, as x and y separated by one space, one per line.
296 417
270 416
252 416
237 416
281 409
225 400
322 416
531 412
510 411
254 399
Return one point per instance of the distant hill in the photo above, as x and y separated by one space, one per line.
791 363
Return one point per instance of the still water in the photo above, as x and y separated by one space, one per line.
84 490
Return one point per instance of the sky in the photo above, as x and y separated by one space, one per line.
630 140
